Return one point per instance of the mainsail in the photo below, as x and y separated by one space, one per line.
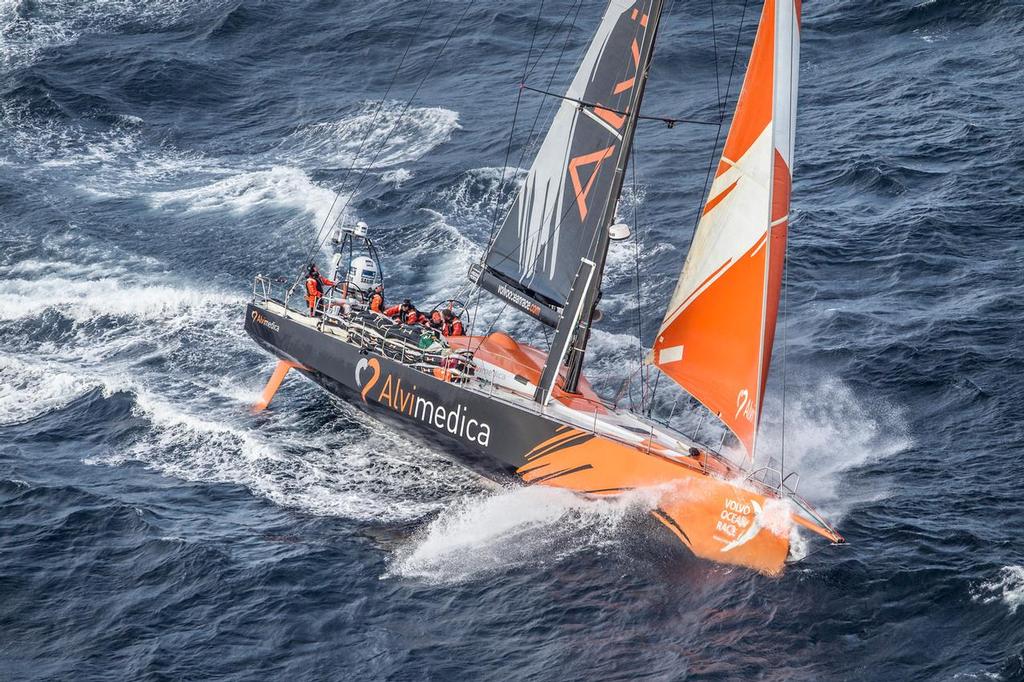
559 212
716 338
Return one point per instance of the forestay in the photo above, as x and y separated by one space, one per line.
716 338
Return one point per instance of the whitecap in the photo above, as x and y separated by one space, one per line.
374 478
377 136
28 389
84 300
276 187
397 177
1007 587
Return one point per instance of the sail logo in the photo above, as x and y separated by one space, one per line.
518 299
610 118
259 319
582 192
739 522
744 405
456 422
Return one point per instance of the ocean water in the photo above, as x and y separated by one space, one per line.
155 155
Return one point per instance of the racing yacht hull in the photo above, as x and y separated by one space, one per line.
694 500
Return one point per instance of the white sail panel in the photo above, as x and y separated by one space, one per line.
718 331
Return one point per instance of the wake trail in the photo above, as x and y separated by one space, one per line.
514 528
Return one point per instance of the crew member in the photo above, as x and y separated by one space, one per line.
399 311
315 284
377 299
452 324
413 316
437 322
697 455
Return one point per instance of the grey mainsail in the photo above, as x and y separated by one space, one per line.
560 212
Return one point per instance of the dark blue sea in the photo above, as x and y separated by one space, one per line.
155 155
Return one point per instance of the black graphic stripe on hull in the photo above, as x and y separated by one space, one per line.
548 445
669 521
564 472
523 472
563 444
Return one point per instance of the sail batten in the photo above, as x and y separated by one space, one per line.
717 335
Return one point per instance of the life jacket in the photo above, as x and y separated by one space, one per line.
377 303
313 290
412 317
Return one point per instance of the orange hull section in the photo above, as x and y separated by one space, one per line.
501 350
715 519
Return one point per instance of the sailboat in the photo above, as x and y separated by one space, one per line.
513 411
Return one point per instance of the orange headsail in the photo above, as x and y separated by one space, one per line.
716 338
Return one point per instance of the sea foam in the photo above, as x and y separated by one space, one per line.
1007 587
376 136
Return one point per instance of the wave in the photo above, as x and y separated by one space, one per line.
277 187
85 300
74 324
1007 588
470 200
377 136
28 389
397 177
110 162
117 163
356 472
23 41
28 29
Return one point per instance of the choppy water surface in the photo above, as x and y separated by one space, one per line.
155 155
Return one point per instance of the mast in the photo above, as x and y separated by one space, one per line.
582 333
717 336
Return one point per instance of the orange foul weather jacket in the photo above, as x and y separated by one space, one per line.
315 289
411 316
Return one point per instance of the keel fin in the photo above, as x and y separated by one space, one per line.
273 384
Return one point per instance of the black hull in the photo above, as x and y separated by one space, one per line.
487 435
